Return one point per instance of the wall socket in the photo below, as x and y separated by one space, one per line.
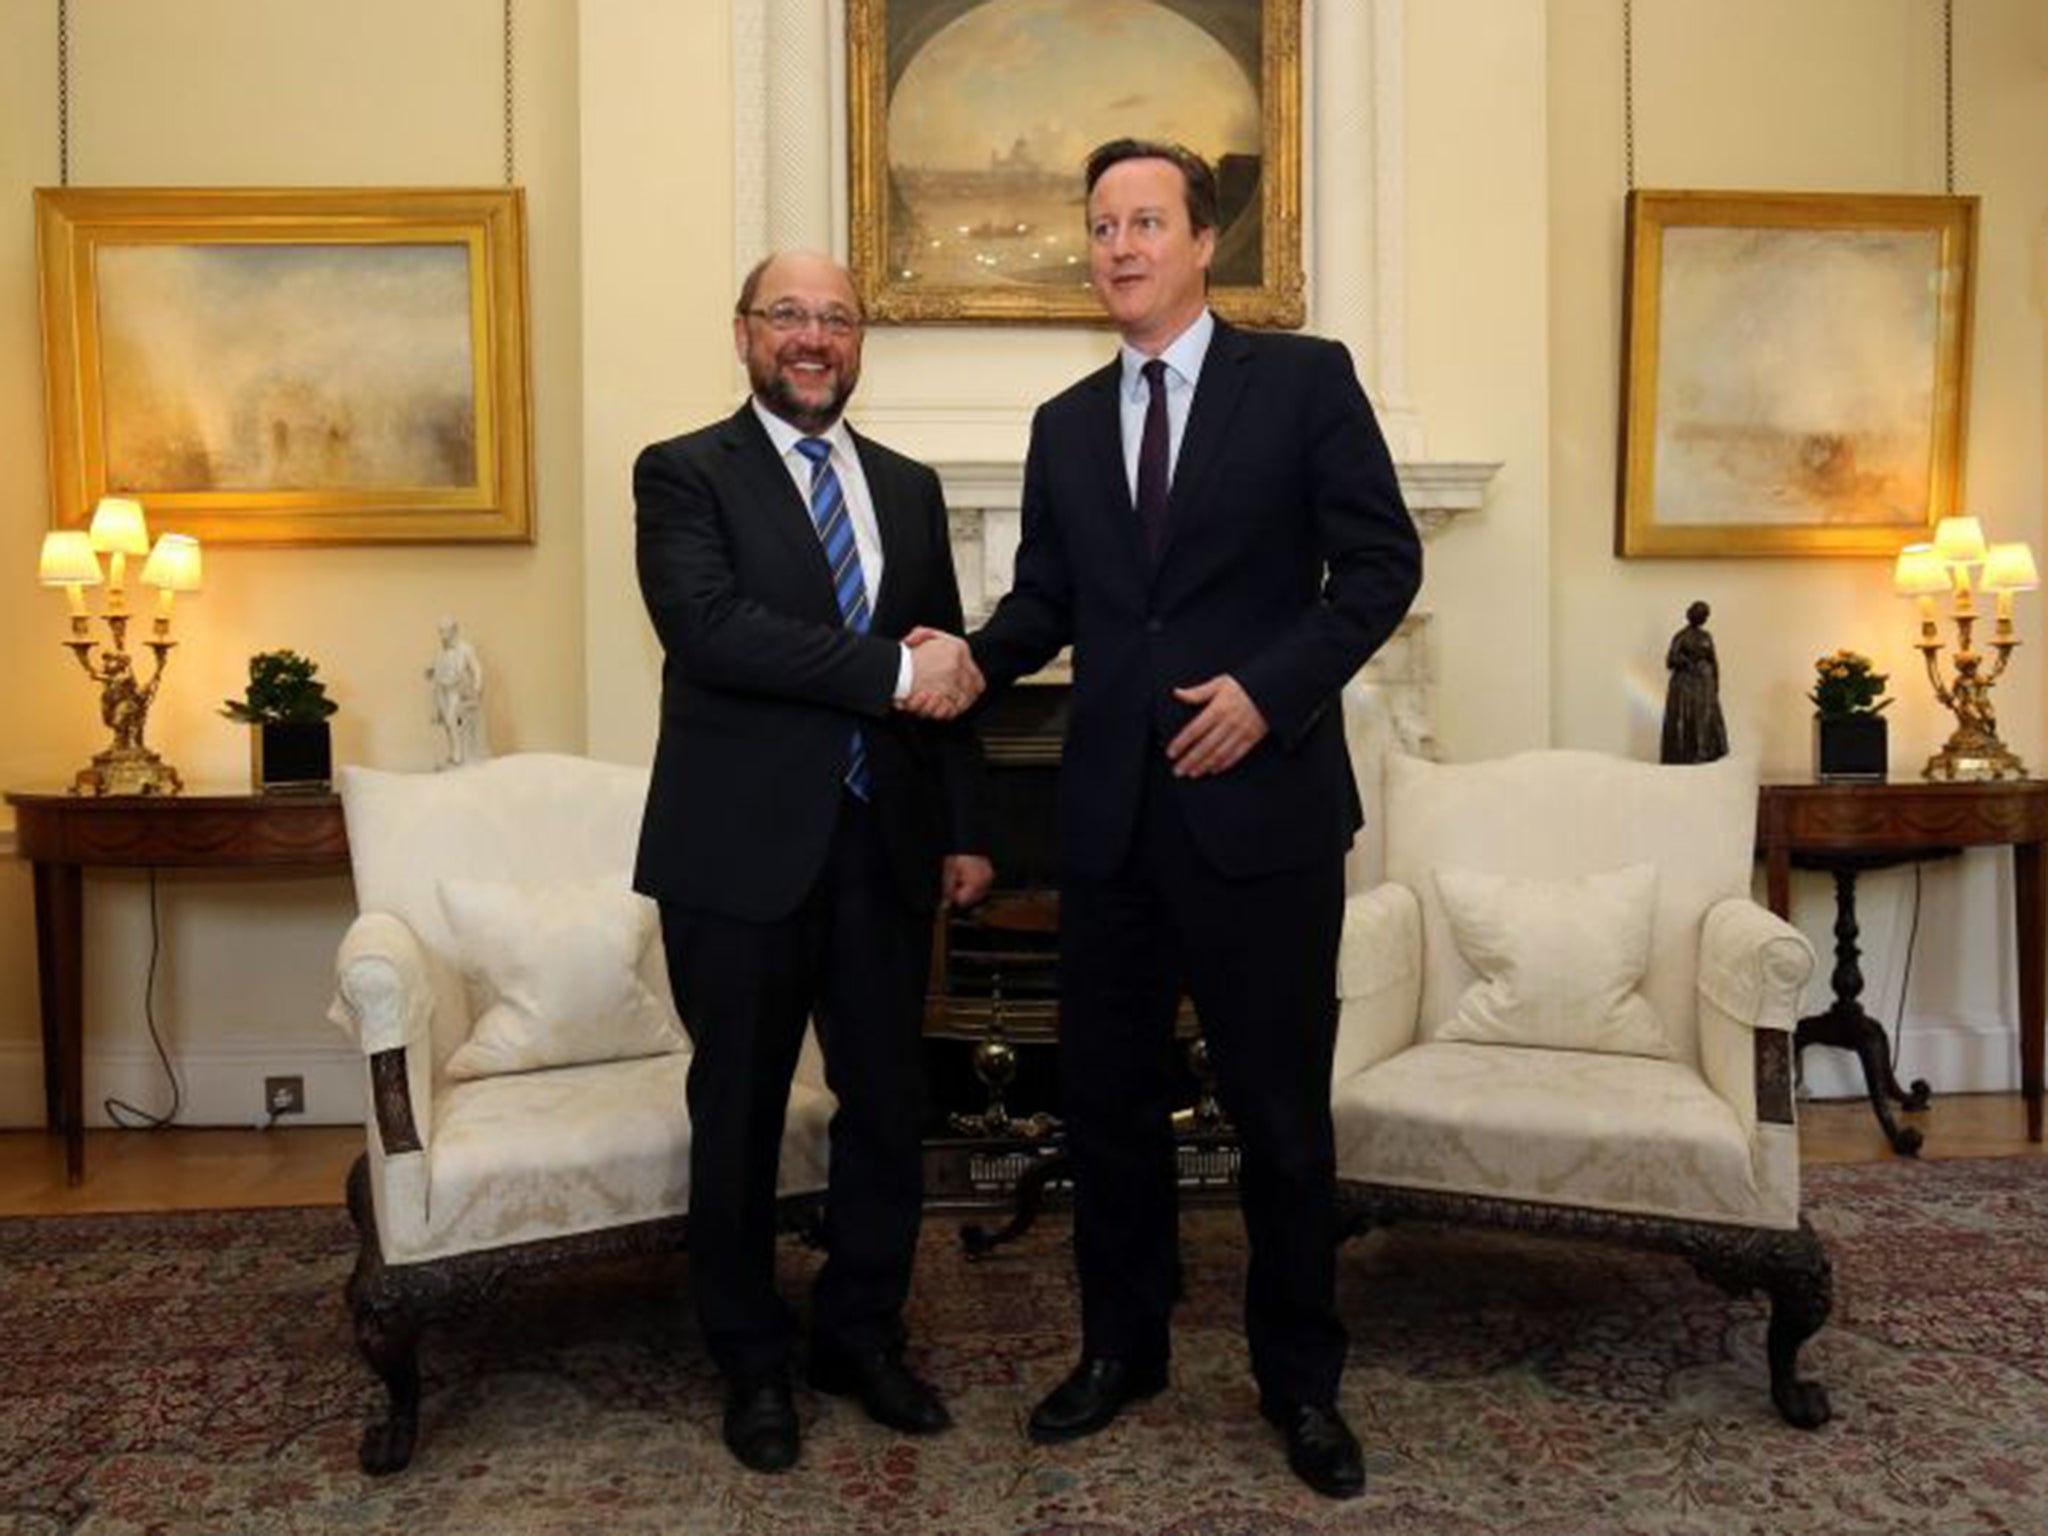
284 1096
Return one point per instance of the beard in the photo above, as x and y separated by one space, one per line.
812 412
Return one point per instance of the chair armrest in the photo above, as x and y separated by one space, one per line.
1379 978
1754 968
384 1000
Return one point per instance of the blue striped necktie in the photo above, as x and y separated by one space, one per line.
849 583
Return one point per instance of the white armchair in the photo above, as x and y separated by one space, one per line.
1563 1011
525 1068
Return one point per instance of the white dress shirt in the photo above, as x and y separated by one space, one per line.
860 507
1183 358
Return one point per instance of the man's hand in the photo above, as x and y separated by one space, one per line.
943 677
964 878
1229 726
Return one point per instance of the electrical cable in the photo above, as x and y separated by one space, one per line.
143 1120
1906 977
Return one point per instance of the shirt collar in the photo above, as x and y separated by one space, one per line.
785 437
1182 356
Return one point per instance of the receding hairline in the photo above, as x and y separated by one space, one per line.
750 285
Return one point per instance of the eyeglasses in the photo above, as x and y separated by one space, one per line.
790 318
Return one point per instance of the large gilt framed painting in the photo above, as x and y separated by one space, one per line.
267 366
1796 371
971 121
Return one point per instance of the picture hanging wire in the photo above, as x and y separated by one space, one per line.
1948 93
508 92
64 92
1628 91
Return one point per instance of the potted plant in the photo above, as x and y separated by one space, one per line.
289 749
1849 735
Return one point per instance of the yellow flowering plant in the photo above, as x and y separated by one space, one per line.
1845 683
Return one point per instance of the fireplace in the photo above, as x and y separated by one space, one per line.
992 1010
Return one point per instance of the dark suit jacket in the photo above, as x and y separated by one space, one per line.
1289 559
761 685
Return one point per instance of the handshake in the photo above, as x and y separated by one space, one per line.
944 681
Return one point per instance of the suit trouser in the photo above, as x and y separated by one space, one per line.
855 958
1258 956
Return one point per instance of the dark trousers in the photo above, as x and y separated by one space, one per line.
854 958
1258 956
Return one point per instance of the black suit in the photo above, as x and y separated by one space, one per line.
783 897
1288 560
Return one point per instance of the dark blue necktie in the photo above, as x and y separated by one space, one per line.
1154 470
849 583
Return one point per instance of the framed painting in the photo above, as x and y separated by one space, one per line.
1795 367
264 366
971 121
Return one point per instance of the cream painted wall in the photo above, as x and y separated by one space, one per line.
1478 342
656 148
1836 95
283 93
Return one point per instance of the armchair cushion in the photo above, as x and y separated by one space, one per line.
1552 815
1559 961
617 1151
1575 1128
558 966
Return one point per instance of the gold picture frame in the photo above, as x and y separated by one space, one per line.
1003 240
290 366
1795 371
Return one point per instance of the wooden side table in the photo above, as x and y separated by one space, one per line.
1847 828
63 835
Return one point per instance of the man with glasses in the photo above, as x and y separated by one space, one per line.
812 799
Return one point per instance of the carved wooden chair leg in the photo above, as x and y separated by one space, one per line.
389 1336
387 1333
1801 1283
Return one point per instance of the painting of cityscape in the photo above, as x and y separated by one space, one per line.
973 120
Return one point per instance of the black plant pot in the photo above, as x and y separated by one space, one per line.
1849 749
291 757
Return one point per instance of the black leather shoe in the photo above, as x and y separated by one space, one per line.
883 1385
1093 1394
760 1424
1320 1447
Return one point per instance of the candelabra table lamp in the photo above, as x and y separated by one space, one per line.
71 560
1973 750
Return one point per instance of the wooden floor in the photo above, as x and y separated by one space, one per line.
207 1169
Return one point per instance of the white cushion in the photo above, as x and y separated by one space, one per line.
559 965
1574 1128
617 1151
1553 814
534 817
1559 961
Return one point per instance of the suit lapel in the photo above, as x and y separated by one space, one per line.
1225 372
769 493
891 504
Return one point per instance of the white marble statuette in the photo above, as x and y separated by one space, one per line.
457 678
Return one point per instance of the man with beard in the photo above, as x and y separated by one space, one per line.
809 806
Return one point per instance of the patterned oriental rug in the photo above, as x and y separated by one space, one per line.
195 1374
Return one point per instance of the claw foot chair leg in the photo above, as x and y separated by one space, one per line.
389 1337
390 1343
1800 1282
